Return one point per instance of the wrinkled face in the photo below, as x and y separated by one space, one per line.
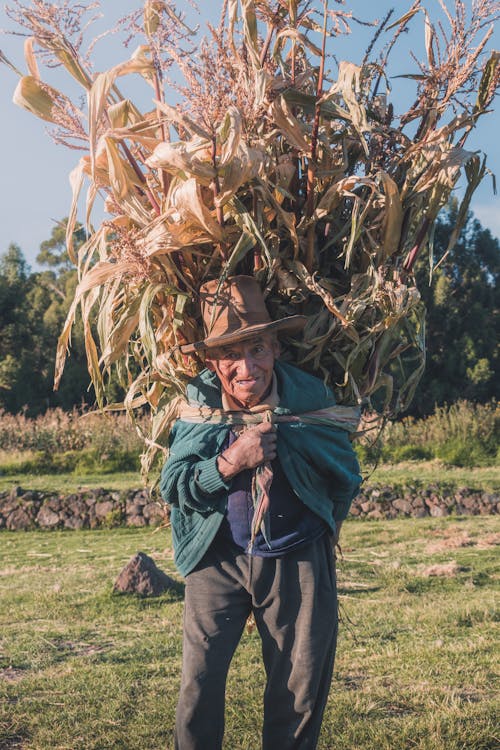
245 369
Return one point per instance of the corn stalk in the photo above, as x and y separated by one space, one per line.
324 195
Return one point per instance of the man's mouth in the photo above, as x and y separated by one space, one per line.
246 382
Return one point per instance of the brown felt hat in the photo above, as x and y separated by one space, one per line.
236 312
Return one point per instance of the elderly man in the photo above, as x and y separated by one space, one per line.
260 476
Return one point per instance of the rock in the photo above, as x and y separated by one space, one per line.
76 508
136 520
47 518
141 576
19 520
375 514
419 513
403 505
438 511
104 508
153 513
55 502
469 501
16 492
75 522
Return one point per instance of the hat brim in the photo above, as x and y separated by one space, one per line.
292 323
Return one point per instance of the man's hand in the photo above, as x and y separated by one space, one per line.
253 447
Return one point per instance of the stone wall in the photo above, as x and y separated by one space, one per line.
29 509
87 509
417 502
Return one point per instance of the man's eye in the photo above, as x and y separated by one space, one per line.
259 351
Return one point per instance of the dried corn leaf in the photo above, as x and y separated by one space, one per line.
267 175
39 98
288 125
184 160
76 179
186 198
30 58
239 171
121 176
393 217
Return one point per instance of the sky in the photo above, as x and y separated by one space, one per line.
34 185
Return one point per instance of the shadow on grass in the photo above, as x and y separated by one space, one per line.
346 590
175 593
11 741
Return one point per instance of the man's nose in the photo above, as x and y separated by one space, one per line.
246 365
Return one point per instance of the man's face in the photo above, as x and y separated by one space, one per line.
245 369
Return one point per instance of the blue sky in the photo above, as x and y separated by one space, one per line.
34 185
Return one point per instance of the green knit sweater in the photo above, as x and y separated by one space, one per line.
318 460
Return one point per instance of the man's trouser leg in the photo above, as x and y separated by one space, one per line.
295 606
296 614
216 608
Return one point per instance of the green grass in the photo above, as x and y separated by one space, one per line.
78 462
482 478
83 669
68 483
435 472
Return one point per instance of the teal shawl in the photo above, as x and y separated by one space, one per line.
318 460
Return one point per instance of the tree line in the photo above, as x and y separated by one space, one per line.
462 301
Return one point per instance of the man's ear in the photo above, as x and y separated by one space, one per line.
209 363
276 348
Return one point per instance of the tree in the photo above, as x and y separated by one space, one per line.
13 330
462 316
33 307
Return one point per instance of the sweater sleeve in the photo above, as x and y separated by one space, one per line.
190 478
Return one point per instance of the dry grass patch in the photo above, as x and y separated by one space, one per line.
448 569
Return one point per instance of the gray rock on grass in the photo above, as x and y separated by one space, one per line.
142 576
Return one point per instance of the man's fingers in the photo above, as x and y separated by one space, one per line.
269 440
266 427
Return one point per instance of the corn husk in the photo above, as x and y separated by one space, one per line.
314 187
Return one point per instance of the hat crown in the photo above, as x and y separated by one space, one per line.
238 305
233 311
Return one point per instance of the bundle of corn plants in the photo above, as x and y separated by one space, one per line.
269 158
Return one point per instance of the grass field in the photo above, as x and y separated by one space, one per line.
408 472
83 669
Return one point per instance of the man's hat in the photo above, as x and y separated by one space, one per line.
236 312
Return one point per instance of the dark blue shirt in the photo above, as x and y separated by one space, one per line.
292 523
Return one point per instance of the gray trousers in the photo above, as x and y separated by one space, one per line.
294 602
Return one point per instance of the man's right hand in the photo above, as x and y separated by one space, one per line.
254 446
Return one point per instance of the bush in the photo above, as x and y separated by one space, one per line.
462 434
58 431
84 462
409 453
93 461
